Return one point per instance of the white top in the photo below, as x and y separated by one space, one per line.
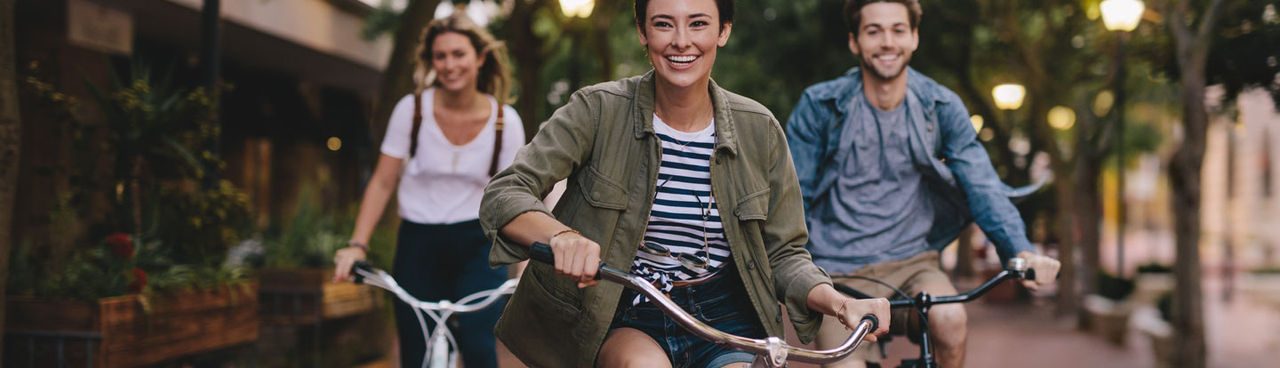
443 183
684 218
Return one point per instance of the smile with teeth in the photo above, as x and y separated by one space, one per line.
887 58
682 59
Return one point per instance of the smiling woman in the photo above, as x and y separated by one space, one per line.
443 143
698 175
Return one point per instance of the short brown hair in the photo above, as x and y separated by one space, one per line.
853 12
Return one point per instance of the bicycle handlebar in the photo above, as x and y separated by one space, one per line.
1017 269
364 273
775 349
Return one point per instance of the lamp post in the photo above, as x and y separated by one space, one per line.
575 11
1122 17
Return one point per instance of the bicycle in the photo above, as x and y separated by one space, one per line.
923 301
770 352
441 346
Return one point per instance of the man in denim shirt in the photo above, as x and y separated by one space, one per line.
891 170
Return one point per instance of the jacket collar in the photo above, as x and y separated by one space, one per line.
849 86
643 106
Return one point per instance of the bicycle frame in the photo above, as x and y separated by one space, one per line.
440 352
922 302
774 351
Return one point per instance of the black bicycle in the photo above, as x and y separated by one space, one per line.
922 302
770 352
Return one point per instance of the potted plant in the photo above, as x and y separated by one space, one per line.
151 285
1107 312
1153 321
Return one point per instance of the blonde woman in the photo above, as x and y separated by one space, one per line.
443 144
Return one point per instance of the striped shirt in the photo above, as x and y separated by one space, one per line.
684 215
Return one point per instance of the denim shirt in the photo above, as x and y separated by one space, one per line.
959 178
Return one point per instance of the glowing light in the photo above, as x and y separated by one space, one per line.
577 8
1009 96
333 143
1122 15
1062 117
977 122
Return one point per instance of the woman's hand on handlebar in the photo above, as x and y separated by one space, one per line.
825 299
851 311
576 257
343 259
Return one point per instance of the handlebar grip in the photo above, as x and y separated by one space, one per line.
875 322
360 265
541 252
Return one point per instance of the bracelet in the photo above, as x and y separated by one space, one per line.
562 232
357 244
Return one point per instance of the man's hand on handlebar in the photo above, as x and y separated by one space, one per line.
576 257
1046 269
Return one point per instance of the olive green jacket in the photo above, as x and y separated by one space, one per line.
603 141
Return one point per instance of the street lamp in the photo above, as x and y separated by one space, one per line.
1121 16
577 8
1009 96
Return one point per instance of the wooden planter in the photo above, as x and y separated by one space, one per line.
118 332
307 296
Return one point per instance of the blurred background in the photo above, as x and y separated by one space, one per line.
175 175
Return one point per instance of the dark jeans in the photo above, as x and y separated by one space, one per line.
721 303
437 262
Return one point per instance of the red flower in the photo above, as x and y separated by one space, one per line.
139 280
121 245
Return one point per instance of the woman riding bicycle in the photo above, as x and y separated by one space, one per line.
443 143
677 178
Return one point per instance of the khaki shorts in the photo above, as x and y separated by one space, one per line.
912 275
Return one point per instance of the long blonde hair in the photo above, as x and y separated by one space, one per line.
494 76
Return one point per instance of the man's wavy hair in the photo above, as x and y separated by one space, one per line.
853 12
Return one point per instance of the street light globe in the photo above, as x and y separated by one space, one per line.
977 122
577 8
1121 15
1062 117
1009 96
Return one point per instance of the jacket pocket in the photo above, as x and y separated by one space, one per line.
600 191
754 206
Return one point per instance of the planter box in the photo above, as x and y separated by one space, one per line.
1107 318
307 296
118 332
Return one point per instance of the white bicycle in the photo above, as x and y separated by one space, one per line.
441 349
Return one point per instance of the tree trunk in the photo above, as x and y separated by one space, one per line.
1184 177
1088 211
1192 47
10 147
397 78
1068 284
526 49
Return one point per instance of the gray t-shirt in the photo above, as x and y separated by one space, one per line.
877 210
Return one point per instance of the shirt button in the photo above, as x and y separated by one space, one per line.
929 127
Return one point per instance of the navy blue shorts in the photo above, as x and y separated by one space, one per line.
722 303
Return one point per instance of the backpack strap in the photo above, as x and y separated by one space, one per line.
497 142
417 123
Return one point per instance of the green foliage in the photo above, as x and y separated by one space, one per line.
1114 288
312 234
309 237
198 225
1246 52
